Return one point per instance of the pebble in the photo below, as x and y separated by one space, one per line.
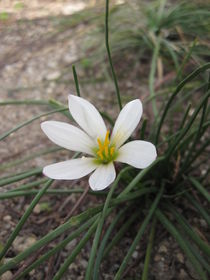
162 249
7 218
37 209
7 276
180 257
84 263
157 258
135 255
22 243
53 75
203 223
183 274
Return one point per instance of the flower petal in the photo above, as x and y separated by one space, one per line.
87 116
126 122
103 176
70 169
68 136
139 154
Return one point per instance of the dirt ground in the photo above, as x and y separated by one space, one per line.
36 56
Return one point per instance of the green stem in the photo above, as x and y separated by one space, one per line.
109 54
57 248
75 252
149 250
141 231
178 89
14 193
76 80
4 135
24 218
19 177
184 246
152 77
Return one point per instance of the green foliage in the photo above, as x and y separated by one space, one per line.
4 16
151 197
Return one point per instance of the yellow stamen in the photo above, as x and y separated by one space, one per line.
101 147
106 142
99 153
112 151
106 151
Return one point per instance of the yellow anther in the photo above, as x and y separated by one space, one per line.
106 142
101 147
106 151
112 151
99 153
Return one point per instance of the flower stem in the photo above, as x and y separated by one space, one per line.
109 54
76 80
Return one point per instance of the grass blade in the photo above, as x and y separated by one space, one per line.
183 245
24 218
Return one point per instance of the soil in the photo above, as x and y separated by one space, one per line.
37 53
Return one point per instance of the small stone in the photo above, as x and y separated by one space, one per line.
162 249
53 75
135 255
180 257
7 276
203 223
22 243
183 274
157 258
84 263
7 218
37 209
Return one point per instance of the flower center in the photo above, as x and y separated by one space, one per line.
105 152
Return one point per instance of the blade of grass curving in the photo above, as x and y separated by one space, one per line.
141 175
109 54
13 194
183 146
152 76
76 80
172 52
29 185
149 250
104 242
141 231
188 125
75 252
24 218
31 156
197 254
143 129
6 134
196 138
57 248
24 102
188 229
174 135
18 177
198 206
183 245
198 153
200 188
178 89
73 222
88 274
118 236
186 58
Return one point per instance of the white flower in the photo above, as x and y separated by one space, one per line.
93 140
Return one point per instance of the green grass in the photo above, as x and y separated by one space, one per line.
148 199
